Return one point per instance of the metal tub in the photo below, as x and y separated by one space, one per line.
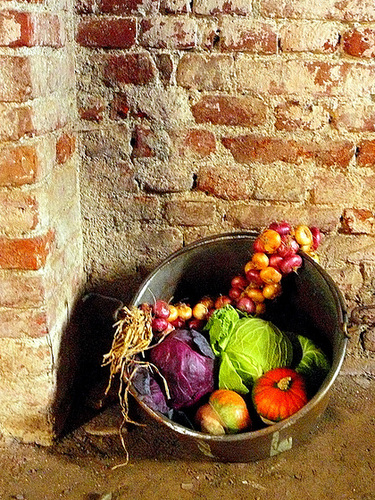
310 304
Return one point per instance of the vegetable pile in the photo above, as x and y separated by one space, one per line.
217 365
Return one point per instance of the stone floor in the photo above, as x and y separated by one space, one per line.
336 463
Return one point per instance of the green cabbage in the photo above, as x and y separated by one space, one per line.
314 364
247 347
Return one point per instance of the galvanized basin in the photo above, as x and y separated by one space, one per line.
311 304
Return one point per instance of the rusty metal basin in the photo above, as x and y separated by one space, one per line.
311 304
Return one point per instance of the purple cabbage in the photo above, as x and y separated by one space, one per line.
186 361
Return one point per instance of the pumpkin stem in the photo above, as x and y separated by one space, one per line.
284 383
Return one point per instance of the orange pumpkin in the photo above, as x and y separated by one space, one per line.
278 394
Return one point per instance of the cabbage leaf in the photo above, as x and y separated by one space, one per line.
314 364
247 347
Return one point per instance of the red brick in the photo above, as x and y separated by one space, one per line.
15 122
21 323
205 72
223 182
237 34
65 147
360 42
293 115
26 253
19 212
201 142
250 148
168 32
213 7
107 33
119 107
366 154
21 290
28 29
144 141
345 10
128 6
129 68
18 165
230 110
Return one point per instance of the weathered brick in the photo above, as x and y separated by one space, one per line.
347 10
25 253
230 110
29 323
250 148
15 122
296 115
293 185
27 77
309 36
359 42
223 181
18 165
92 111
65 147
29 29
106 32
21 290
164 177
259 216
19 211
175 6
191 213
129 68
317 78
366 153
334 188
140 207
354 116
144 141
205 72
119 107
164 63
201 142
358 220
164 32
237 34
143 7
212 7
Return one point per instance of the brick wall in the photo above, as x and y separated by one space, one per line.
193 118
40 231
210 116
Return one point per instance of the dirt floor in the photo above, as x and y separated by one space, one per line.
337 462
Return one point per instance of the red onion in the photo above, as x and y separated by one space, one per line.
275 261
282 227
245 304
317 237
239 282
253 276
290 263
288 246
159 324
235 293
161 309
258 246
